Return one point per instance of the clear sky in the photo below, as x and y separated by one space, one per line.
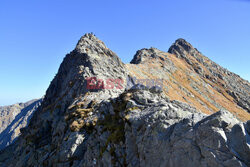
35 35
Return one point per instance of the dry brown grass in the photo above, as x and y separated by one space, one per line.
180 77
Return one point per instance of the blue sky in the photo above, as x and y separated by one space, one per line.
36 35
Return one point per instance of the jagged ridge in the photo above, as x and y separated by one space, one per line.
76 126
190 77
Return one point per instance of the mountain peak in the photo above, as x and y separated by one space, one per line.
180 46
89 36
90 42
90 58
181 41
145 54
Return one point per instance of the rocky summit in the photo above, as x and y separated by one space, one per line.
173 109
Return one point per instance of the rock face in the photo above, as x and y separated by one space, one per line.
151 130
90 118
13 118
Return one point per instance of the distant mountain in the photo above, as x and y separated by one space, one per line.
175 108
13 118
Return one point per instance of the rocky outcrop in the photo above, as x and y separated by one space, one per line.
90 118
151 130
146 54
13 118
